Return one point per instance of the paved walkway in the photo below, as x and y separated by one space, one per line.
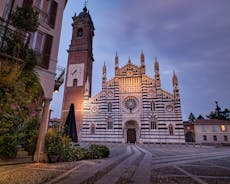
140 164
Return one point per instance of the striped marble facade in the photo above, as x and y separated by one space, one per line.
132 107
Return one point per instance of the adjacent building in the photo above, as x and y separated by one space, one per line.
46 43
212 131
131 107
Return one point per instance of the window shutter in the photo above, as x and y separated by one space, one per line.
47 50
52 14
27 3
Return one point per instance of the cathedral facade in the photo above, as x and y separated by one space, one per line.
131 107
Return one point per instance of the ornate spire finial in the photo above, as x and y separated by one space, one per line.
156 65
129 61
142 58
174 79
85 6
104 68
116 60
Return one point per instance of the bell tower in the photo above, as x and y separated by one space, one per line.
79 66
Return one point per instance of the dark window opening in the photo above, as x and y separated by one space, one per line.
109 107
170 129
92 129
47 51
225 138
52 13
204 137
153 125
74 82
214 138
152 106
80 32
27 3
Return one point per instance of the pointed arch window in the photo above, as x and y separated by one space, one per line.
110 123
80 32
110 107
74 82
152 106
92 129
171 129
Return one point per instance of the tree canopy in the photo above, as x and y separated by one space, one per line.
191 117
220 114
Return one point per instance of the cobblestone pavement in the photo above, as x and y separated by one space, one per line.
143 164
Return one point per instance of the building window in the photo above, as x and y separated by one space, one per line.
204 137
27 3
223 128
153 124
92 129
52 13
109 107
47 51
74 82
110 123
225 138
214 138
203 128
80 32
213 128
170 129
152 106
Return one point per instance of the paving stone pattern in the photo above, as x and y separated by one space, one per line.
130 163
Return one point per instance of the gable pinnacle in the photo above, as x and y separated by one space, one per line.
129 61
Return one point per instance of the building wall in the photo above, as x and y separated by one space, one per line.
210 131
142 89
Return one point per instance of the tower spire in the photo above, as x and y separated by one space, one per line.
104 75
142 58
175 87
116 63
157 74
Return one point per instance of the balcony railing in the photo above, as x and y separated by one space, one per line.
60 74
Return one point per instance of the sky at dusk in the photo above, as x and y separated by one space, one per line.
190 37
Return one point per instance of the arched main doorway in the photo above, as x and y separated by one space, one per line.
131 132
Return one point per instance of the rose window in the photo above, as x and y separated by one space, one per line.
130 103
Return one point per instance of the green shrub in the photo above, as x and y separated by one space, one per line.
98 151
8 146
59 145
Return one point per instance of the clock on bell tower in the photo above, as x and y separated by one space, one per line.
79 66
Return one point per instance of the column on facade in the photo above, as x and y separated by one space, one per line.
42 131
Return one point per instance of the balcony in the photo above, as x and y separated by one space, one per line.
60 73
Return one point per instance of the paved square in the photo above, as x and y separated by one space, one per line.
130 163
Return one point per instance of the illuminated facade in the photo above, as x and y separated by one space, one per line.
132 107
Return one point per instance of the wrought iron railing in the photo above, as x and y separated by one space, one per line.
60 74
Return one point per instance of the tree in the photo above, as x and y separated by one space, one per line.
25 19
191 117
219 114
200 117
20 100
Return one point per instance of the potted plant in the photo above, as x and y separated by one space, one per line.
52 146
